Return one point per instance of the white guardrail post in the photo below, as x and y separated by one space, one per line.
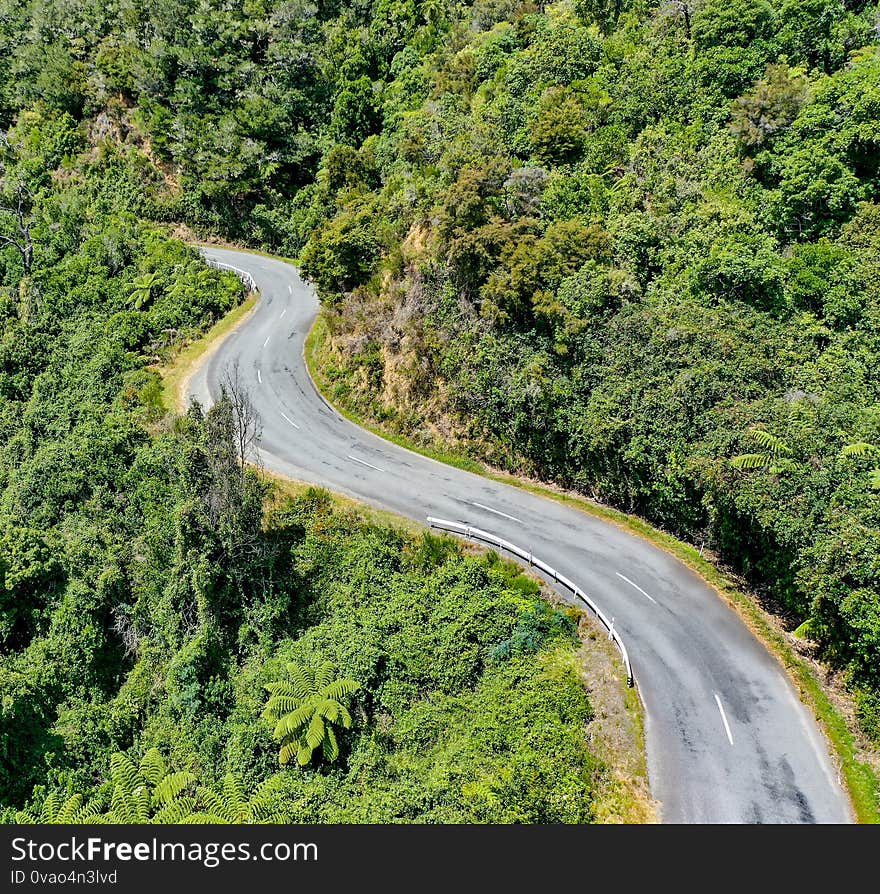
478 534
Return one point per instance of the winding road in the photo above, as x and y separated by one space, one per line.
728 740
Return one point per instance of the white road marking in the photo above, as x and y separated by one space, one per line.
259 377
289 289
290 420
283 312
363 462
724 719
648 595
267 340
495 511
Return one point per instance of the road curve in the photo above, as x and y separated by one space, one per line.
728 740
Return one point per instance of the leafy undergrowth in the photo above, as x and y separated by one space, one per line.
471 706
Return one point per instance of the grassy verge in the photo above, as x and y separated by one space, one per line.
860 777
284 488
176 373
617 728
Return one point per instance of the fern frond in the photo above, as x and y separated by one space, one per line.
281 687
171 786
288 750
174 813
281 704
89 814
860 448
769 442
141 802
71 809
153 767
340 689
748 461
324 674
205 819
301 679
315 731
212 802
328 709
51 806
334 712
874 479
290 724
330 746
303 754
123 773
234 793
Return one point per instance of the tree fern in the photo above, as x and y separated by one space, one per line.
304 709
148 793
229 803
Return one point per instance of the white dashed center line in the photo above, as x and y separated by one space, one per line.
724 719
363 462
495 511
647 595
290 420
267 340
259 377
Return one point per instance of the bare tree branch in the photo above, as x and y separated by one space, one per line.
20 213
246 420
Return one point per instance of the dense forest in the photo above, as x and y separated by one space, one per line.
630 247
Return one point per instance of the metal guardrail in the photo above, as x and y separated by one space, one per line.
243 275
479 534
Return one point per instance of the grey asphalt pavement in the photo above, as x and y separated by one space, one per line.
728 740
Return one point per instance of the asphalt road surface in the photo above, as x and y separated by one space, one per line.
728 740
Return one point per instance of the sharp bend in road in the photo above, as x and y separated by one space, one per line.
727 738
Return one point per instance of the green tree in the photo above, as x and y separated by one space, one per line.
558 133
770 106
355 113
